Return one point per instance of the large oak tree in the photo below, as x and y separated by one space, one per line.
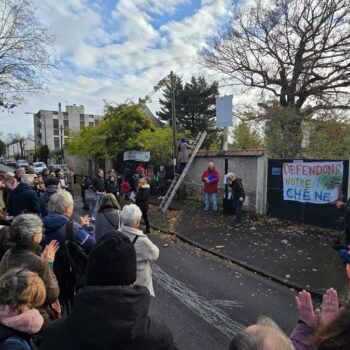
296 51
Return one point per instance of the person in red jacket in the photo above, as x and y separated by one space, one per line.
210 178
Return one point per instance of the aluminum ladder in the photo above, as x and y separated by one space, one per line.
169 196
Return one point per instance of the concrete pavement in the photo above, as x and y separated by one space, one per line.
293 254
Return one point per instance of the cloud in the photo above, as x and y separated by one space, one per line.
113 50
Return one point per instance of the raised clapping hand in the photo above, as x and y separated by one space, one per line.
328 312
85 220
330 306
306 310
49 251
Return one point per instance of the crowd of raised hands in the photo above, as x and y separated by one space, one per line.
324 327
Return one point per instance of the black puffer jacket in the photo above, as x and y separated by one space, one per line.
109 318
99 184
142 197
6 333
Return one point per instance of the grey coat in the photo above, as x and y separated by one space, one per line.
106 221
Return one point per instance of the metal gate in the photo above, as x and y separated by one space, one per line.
323 215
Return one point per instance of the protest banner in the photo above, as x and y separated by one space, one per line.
314 182
138 156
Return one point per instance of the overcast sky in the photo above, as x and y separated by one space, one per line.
114 50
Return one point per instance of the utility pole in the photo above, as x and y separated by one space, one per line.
173 117
61 143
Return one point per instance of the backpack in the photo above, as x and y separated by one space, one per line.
75 262
15 342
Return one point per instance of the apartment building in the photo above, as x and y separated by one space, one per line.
23 148
52 128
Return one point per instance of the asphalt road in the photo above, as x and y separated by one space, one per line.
205 300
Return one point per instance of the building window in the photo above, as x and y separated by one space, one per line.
55 113
56 143
65 115
56 131
55 123
66 124
91 123
66 132
96 121
82 125
82 117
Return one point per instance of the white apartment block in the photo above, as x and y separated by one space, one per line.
52 128
14 149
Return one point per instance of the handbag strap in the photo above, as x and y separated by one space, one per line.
69 231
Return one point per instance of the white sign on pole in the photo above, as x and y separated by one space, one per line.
224 111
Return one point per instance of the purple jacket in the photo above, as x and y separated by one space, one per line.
300 336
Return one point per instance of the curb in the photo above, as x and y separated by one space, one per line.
284 282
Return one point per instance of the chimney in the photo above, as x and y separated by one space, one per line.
59 107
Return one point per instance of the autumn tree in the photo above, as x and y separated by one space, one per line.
294 51
327 138
42 153
115 133
159 142
245 137
2 148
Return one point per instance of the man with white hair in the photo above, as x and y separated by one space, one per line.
60 208
23 199
264 335
146 250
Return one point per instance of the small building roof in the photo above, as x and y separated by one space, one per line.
157 123
237 153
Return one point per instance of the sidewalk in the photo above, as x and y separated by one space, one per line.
297 255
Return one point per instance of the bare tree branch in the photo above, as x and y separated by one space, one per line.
26 56
298 50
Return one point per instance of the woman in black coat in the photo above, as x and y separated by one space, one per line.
143 193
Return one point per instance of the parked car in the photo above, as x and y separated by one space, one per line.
63 167
22 163
10 162
38 167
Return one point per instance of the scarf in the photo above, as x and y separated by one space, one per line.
30 321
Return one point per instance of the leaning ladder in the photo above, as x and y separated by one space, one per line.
168 198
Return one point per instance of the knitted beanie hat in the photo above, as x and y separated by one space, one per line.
112 262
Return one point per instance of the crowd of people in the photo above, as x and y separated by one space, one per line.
75 285
70 285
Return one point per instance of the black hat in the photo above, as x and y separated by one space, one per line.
112 262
